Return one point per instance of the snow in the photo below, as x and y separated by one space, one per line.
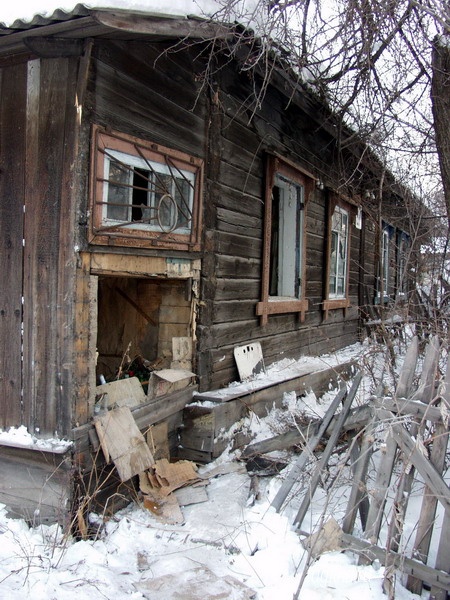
234 536
20 438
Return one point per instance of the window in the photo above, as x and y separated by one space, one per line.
144 194
287 234
336 287
283 278
384 288
403 246
384 280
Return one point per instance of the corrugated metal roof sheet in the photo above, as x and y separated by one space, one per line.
59 15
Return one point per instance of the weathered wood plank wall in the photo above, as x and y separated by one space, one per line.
231 277
13 81
48 233
37 152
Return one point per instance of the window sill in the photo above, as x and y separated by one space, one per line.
334 304
281 305
138 238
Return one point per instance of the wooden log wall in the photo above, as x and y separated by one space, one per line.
231 284
138 89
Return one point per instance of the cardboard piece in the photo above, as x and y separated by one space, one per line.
158 440
167 477
195 584
167 381
165 508
123 392
327 539
181 353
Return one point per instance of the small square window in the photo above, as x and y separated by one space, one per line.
144 194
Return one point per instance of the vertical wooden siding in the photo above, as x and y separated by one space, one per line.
49 258
12 176
37 140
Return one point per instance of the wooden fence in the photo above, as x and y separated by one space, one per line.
415 420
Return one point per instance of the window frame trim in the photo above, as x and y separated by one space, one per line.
385 231
140 237
344 302
402 254
276 305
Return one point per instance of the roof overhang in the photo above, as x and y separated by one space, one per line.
83 22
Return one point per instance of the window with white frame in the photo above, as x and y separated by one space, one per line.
338 254
144 193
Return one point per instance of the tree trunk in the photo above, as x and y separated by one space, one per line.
440 97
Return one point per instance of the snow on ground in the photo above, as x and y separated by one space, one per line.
225 541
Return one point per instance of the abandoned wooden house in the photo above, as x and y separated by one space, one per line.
160 206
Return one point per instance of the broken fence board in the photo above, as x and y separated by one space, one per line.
358 494
328 451
408 369
356 419
426 391
429 505
443 558
443 551
433 577
123 443
379 492
294 474
410 408
429 473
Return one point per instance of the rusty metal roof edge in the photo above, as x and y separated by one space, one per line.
83 21
81 10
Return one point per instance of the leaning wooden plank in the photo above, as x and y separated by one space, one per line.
429 505
443 558
123 443
413 409
379 492
408 369
294 474
433 577
328 450
443 552
426 392
430 475
357 419
359 490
